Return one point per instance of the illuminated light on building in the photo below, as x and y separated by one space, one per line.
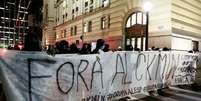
147 6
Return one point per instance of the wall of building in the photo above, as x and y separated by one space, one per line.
160 41
186 20
160 24
179 43
114 14
165 18
49 15
183 42
173 22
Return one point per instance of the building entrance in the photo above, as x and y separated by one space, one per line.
135 30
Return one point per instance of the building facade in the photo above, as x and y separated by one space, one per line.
174 24
49 15
186 24
13 21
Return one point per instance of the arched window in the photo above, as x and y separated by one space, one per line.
136 18
136 29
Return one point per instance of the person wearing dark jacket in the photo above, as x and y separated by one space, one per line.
32 42
63 47
73 48
86 49
129 48
99 46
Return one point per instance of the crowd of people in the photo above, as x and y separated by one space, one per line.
32 43
63 47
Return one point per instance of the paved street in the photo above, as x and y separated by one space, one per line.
172 94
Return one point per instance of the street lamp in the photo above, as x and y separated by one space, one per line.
147 7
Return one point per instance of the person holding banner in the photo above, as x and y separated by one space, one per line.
32 42
63 47
86 49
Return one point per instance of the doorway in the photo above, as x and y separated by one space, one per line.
135 30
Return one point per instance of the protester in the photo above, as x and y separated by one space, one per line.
190 51
63 47
106 48
129 48
137 49
86 49
166 49
89 48
73 48
32 42
119 48
57 48
51 50
153 48
100 44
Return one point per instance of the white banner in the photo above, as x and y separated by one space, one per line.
32 76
